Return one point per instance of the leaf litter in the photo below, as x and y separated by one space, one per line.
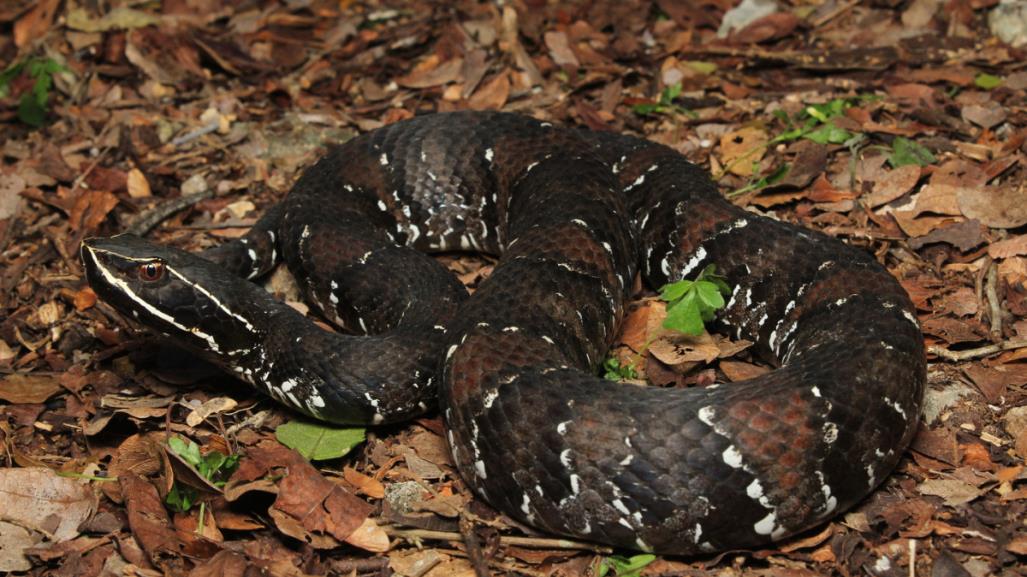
896 126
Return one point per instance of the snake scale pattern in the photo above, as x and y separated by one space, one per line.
574 215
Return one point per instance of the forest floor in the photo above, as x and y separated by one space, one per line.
897 126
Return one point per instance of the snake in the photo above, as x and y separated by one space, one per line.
574 217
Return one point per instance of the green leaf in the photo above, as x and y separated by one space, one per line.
709 294
30 112
181 498
189 451
670 93
905 151
646 108
702 67
615 371
828 134
625 566
987 81
319 441
685 316
673 291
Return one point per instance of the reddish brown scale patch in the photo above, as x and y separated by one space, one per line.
789 480
762 423
743 411
700 223
566 243
486 353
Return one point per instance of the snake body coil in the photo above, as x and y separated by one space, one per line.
574 215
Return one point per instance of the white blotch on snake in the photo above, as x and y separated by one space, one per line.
732 457
383 159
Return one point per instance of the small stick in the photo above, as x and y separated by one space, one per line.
527 542
994 306
475 554
984 351
151 218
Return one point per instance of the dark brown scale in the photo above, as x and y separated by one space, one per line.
574 215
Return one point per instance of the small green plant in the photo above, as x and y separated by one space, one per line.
905 151
215 466
691 303
665 105
816 122
625 566
987 81
32 105
615 370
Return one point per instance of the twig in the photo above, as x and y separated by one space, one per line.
473 547
527 542
994 306
978 352
912 558
150 219
350 566
838 11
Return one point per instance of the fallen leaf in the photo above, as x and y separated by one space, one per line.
210 407
893 184
743 149
984 116
997 207
14 540
149 522
319 441
965 236
1013 246
431 73
954 492
560 49
137 185
738 371
364 484
28 388
38 498
675 349
492 95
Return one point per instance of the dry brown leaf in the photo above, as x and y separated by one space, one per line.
987 116
492 95
431 73
938 199
210 407
14 540
369 536
560 49
738 371
953 491
364 484
1013 246
997 207
742 149
28 388
38 498
676 349
138 186
893 184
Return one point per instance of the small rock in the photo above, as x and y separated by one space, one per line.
1008 21
194 184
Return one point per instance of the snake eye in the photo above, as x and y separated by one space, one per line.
151 271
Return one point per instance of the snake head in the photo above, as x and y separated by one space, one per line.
182 295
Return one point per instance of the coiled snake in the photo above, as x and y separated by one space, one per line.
574 215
